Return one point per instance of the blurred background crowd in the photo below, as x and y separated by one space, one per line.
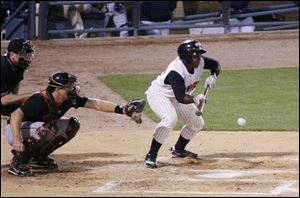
89 16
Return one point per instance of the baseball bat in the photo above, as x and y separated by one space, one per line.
201 104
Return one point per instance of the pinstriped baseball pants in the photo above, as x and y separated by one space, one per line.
169 110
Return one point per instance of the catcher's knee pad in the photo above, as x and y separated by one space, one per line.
44 135
58 141
55 144
72 128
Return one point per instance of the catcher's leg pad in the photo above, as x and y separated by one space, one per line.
34 145
20 157
70 132
45 134
73 127
134 109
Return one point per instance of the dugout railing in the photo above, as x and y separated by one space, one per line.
219 19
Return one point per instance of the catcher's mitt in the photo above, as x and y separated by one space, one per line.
134 109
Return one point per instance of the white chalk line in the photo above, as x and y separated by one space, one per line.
111 184
277 191
189 192
291 158
189 179
284 186
249 158
107 187
250 170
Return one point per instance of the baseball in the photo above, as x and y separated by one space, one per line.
241 122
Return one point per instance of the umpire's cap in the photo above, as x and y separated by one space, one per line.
20 45
189 48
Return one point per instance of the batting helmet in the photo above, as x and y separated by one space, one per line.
189 48
67 81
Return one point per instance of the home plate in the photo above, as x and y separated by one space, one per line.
228 174
220 175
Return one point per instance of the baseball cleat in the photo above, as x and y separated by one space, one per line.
21 170
44 163
150 161
182 153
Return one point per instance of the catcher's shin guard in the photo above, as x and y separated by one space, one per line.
73 128
20 157
45 134
19 165
33 147
70 132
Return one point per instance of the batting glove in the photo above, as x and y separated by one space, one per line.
199 98
210 81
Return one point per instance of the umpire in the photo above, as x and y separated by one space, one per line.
13 64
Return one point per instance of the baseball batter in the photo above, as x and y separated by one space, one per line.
37 127
170 98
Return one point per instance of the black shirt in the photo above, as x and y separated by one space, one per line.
11 76
41 108
157 11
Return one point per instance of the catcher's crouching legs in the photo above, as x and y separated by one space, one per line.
33 146
42 160
19 165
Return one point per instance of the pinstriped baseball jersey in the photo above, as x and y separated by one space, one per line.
190 80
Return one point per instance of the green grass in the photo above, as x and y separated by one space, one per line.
267 98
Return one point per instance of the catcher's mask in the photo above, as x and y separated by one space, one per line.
24 49
65 81
189 48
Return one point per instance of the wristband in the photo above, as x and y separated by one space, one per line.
119 109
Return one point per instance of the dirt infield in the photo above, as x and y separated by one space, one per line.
109 163
105 158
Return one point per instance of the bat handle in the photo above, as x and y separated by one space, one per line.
201 104
200 108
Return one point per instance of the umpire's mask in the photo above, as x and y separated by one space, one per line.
24 49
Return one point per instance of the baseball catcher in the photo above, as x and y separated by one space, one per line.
170 95
37 127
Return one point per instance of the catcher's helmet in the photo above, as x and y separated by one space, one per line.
66 81
62 80
189 48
